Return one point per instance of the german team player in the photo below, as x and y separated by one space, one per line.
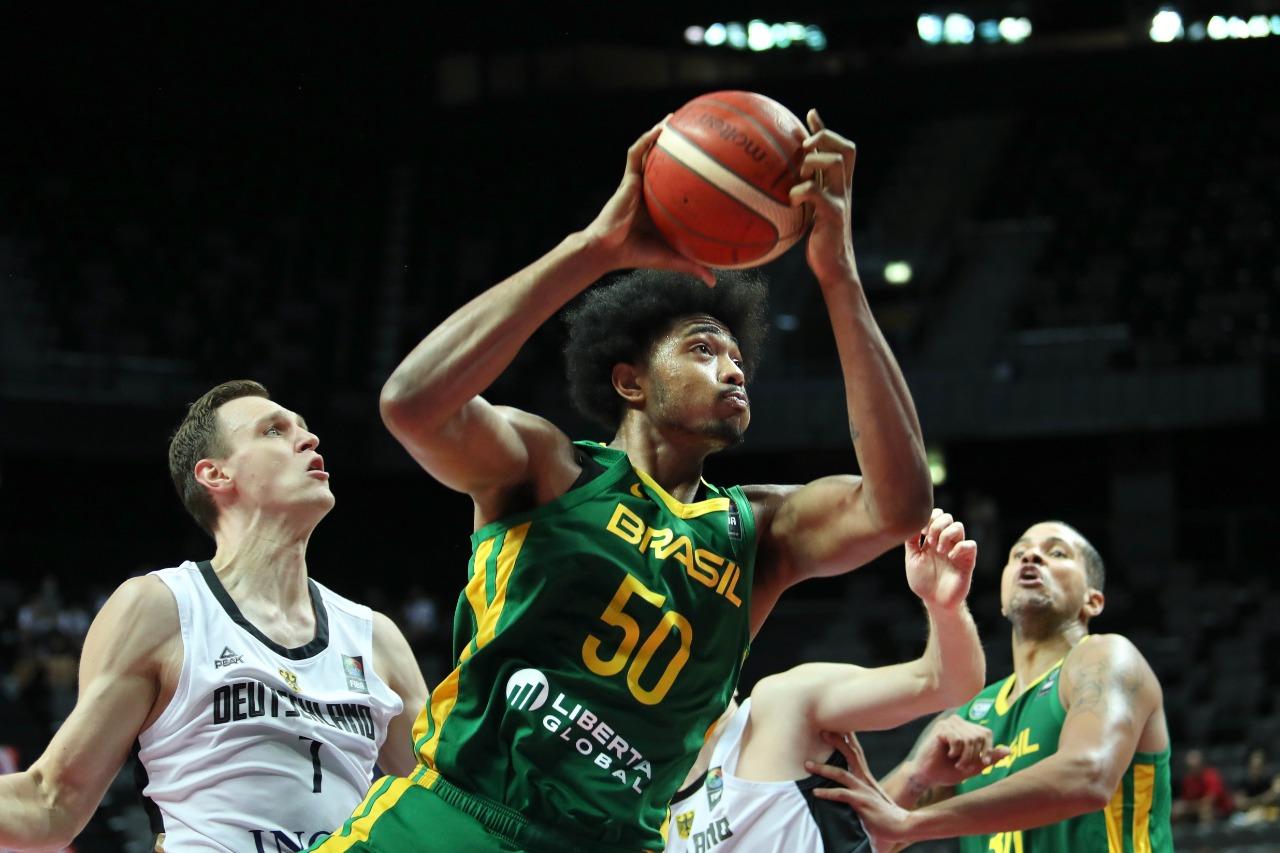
1082 716
749 791
258 699
612 592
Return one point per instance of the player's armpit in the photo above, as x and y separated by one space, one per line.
395 664
131 643
822 528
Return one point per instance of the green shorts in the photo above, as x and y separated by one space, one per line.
427 813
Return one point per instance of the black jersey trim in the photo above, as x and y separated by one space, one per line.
838 825
318 643
690 789
591 468
140 778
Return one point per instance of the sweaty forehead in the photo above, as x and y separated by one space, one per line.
701 323
245 412
1051 530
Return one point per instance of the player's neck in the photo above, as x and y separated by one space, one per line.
1033 655
674 465
265 564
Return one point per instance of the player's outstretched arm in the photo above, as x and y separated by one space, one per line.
844 698
838 523
394 661
431 402
130 642
1110 693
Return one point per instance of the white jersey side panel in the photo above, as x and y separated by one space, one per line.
263 748
726 814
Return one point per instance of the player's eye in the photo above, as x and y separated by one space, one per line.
272 430
1057 552
702 348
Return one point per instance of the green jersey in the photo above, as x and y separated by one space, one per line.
1135 821
598 638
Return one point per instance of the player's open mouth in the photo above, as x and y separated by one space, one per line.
1030 576
316 468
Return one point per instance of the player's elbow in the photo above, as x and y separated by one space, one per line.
402 407
1093 782
903 509
959 688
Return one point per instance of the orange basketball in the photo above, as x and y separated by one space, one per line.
716 182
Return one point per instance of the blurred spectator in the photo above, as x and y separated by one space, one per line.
1258 799
1203 795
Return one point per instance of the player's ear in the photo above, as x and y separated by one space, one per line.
210 474
1094 601
628 383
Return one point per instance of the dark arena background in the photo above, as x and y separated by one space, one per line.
1066 223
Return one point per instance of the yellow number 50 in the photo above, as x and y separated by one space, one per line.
617 617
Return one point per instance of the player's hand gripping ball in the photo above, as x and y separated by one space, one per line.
716 182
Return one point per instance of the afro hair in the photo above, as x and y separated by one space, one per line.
619 320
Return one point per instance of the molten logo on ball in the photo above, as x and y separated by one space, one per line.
733 135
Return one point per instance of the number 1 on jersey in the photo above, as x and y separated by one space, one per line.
616 616
315 763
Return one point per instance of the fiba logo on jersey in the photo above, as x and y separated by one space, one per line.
527 690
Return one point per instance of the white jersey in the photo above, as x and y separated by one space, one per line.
725 814
262 748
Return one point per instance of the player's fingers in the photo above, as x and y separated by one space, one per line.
955 748
836 774
852 752
964 555
811 192
640 148
950 536
816 162
995 753
838 795
936 526
828 140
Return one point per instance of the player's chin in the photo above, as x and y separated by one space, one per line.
727 433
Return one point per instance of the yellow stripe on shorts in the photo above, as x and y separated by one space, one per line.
1144 787
357 829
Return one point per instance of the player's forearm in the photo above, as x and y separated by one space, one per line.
463 356
906 787
1058 788
953 661
33 816
882 416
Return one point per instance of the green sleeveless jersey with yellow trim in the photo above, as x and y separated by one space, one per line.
1135 821
598 638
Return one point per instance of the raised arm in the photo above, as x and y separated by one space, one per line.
838 523
131 641
431 402
395 663
845 698
1110 694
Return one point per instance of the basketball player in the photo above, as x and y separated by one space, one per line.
613 592
749 791
1082 716
259 700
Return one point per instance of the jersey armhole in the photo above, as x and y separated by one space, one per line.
688 790
181 690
